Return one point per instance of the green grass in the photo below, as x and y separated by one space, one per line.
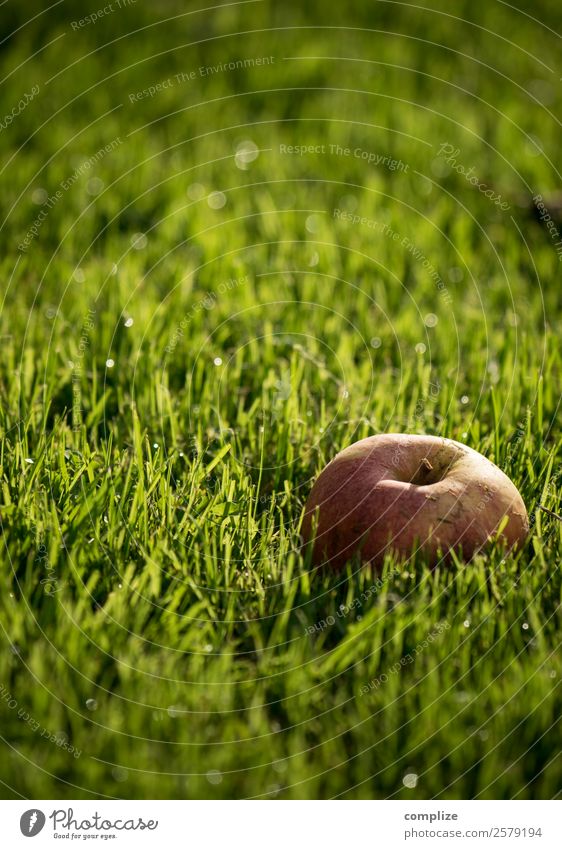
156 608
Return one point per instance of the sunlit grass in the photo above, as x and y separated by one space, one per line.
174 373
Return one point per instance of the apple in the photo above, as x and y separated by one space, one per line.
406 492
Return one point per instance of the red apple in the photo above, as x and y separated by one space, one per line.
404 492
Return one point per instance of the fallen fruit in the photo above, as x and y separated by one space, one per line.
406 492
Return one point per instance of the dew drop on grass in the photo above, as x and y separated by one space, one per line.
94 186
29 460
312 223
196 191
110 363
139 241
420 348
246 152
430 320
533 146
462 697
439 167
493 367
216 200
91 704
129 322
456 274
39 196
410 780
217 361
214 776
375 342
465 399
79 275
119 774
466 623
349 202
525 626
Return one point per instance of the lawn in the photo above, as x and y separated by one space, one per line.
234 241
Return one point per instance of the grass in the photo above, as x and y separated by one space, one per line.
157 613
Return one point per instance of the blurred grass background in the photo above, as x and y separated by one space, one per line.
192 332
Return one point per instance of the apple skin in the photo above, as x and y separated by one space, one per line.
404 492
